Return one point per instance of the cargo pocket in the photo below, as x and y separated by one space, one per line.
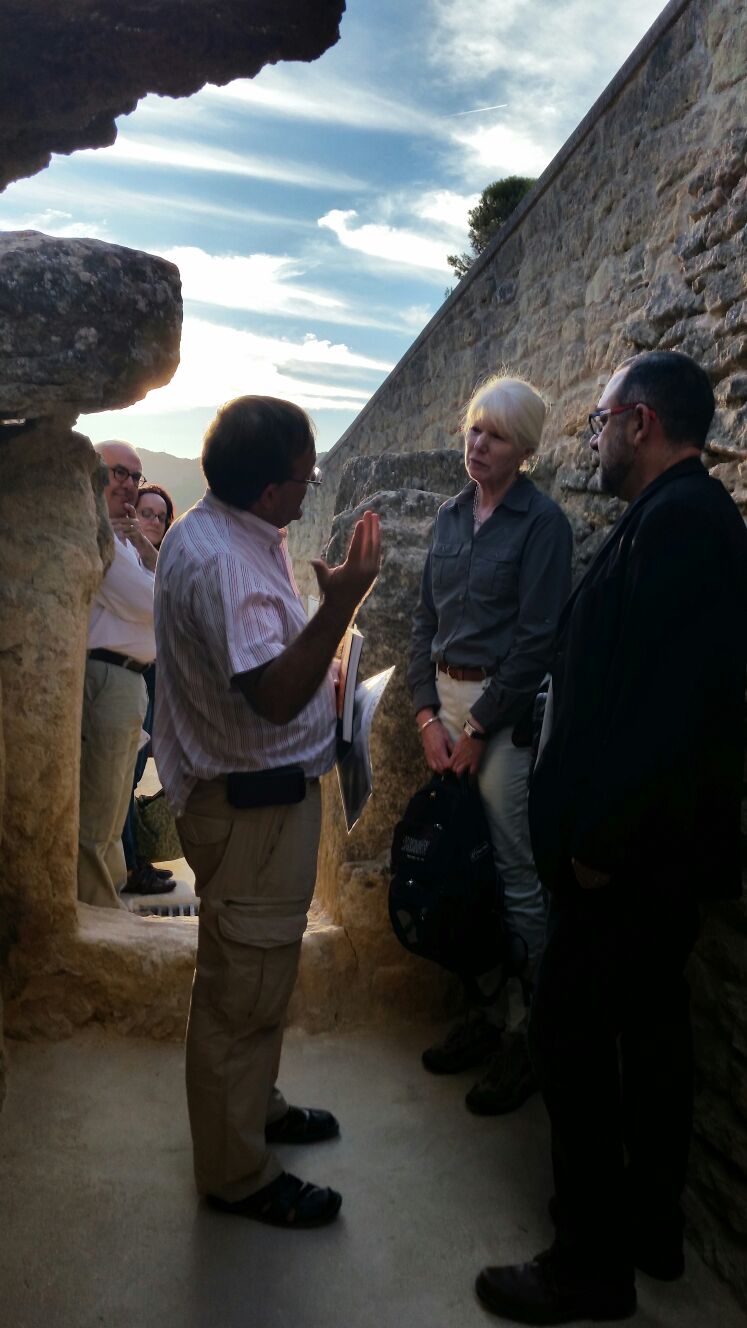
204 840
248 962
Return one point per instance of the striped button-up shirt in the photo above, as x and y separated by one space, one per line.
227 602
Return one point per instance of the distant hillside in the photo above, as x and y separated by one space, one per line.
182 476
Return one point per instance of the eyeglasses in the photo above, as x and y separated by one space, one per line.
121 473
147 514
599 418
315 478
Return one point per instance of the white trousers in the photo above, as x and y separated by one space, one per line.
503 781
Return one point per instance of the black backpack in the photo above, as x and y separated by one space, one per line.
445 901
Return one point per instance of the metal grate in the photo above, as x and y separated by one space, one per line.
146 910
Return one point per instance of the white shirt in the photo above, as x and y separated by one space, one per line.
122 611
227 602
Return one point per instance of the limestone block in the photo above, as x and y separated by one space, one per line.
128 48
436 471
52 562
723 1128
128 973
722 289
386 620
84 326
718 1243
669 300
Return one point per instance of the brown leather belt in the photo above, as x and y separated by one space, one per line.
124 661
460 674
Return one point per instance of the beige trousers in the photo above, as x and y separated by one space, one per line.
114 705
255 871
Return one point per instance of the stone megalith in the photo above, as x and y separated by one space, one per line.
83 325
353 875
68 70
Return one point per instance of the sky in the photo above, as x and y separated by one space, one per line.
310 210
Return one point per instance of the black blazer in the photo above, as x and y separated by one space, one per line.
641 776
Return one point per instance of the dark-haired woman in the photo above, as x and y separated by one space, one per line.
154 507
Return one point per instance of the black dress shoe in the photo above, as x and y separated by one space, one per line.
285 1202
302 1125
548 1291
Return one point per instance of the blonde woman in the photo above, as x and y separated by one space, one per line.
495 580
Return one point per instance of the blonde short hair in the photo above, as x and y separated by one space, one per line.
510 406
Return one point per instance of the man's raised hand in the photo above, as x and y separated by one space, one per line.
348 584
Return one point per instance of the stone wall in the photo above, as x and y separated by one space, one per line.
634 238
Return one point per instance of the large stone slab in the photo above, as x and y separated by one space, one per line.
67 70
84 326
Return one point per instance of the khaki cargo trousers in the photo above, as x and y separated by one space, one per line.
255 871
114 705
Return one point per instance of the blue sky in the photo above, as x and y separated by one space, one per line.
310 210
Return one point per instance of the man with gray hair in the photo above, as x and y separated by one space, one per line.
121 645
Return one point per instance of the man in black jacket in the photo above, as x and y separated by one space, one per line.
634 811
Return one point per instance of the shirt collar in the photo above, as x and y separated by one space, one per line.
253 525
518 497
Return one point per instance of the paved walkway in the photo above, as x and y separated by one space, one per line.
102 1229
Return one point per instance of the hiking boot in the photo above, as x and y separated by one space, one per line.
508 1080
467 1043
146 880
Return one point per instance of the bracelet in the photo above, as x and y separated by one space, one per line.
433 720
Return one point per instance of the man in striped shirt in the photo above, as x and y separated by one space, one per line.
246 689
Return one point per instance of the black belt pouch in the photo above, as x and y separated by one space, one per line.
266 788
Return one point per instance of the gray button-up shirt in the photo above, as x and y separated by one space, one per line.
492 600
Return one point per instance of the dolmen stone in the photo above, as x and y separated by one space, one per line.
84 326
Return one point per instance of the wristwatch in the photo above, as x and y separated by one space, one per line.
472 732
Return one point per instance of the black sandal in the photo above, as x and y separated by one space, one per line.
302 1125
285 1202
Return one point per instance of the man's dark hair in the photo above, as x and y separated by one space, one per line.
677 389
253 442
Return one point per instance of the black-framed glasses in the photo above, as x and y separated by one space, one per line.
121 473
315 478
599 418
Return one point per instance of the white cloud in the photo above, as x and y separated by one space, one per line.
219 362
269 284
446 207
315 95
55 221
168 153
559 44
501 151
390 243
263 283
45 207
548 61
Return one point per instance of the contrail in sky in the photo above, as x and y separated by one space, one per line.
500 107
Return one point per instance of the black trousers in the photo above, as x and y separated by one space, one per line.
611 1041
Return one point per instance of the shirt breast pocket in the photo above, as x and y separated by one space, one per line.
448 566
496 577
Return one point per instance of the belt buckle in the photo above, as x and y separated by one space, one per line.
128 661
